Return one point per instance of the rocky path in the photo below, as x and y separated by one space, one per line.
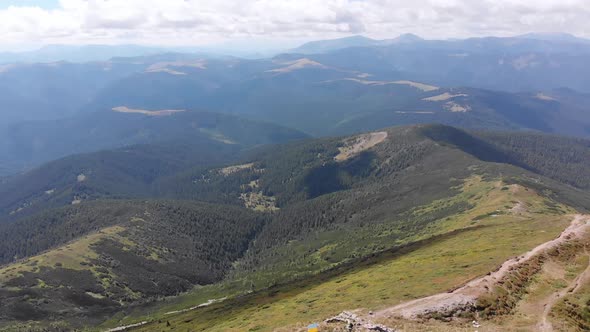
466 296
582 279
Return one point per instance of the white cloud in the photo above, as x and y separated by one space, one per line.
198 21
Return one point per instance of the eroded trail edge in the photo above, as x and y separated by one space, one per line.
583 278
465 297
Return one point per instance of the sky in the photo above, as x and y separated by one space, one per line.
200 22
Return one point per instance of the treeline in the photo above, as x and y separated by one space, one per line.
163 248
121 173
51 228
374 214
204 231
564 159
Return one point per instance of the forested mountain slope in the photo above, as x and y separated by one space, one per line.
122 173
110 254
421 185
301 209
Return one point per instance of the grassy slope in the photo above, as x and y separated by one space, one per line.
554 285
74 255
431 266
140 251
572 312
557 274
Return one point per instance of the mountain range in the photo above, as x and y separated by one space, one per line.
531 82
399 184
124 228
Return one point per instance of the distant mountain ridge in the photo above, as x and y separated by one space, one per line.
325 46
499 83
513 64
337 93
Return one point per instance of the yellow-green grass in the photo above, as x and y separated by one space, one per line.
470 249
330 248
573 312
486 195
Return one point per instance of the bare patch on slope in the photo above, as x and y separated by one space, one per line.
167 67
297 65
235 168
257 201
542 96
358 144
417 85
452 106
444 96
125 109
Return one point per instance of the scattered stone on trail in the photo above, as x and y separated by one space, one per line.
445 306
355 323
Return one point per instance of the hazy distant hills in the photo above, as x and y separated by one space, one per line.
537 42
98 52
53 90
532 82
78 53
291 89
30 143
560 111
323 46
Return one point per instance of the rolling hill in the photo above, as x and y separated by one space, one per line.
48 91
558 111
322 46
29 144
106 255
310 215
506 79
339 96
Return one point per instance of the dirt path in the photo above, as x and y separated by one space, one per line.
467 295
131 326
582 279
126 327
206 304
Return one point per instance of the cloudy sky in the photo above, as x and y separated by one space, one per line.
192 22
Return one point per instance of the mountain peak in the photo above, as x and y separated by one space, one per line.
323 46
407 38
